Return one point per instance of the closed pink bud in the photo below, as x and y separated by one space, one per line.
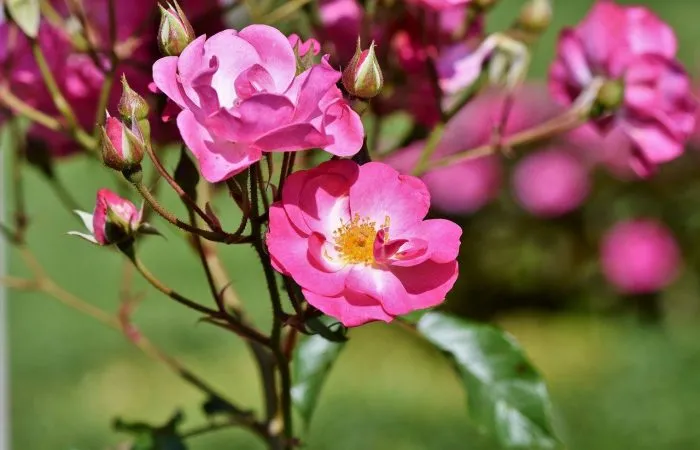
122 148
175 32
363 77
114 220
550 183
640 256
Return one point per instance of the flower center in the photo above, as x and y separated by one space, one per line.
354 240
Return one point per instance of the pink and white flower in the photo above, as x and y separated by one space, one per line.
355 239
114 220
635 52
240 96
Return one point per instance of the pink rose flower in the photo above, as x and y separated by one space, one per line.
240 96
550 183
633 47
640 256
113 220
354 239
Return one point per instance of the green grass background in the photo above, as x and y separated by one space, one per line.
614 383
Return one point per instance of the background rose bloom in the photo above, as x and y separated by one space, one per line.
640 256
241 97
80 73
550 183
632 47
354 239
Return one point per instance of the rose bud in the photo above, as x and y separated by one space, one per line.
114 220
132 107
122 148
175 32
363 77
535 16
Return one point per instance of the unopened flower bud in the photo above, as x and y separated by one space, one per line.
122 148
535 16
132 107
363 77
175 32
113 221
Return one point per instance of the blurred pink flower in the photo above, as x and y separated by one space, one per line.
113 219
550 183
441 4
341 22
354 239
468 186
79 76
241 97
640 256
632 46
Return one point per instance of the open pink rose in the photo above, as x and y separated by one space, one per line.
640 256
354 239
240 96
632 47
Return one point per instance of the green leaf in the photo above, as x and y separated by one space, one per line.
311 365
187 175
506 395
331 330
26 14
148 437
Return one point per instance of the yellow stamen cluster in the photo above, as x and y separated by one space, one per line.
354 240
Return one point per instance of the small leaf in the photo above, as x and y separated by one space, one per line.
186 175
506 395
148 437
324 327
26 14
311 365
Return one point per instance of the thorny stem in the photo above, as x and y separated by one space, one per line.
278 313
41 282
189 202
216 236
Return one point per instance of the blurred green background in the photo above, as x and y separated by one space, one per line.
615 381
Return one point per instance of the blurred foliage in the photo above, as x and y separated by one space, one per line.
616 381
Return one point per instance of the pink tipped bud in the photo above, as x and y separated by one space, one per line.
132 107
122 148
363 77
113 221
175 32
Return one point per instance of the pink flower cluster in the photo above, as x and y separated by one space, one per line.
645 86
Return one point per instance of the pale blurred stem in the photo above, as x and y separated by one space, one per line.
104 99
42 283
574 117
19 107
430 147
20 210
283 11
216 236
189 202
278 313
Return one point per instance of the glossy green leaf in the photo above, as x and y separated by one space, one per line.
506 395
26 14
313 360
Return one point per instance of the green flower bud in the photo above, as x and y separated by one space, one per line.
363 77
